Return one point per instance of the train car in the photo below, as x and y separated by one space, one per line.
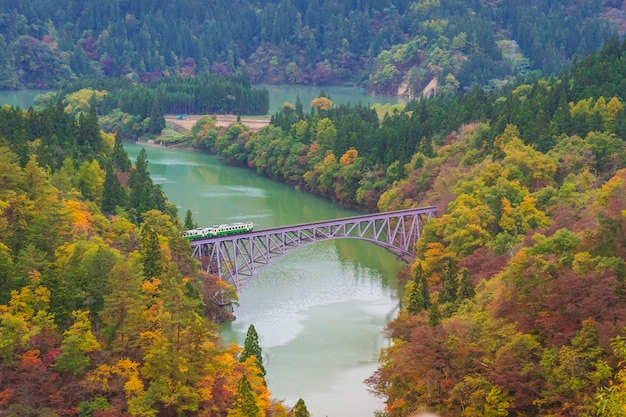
221 230
233 228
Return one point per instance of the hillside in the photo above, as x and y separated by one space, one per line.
380 45
515 304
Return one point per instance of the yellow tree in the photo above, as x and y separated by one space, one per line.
349 157
90 181
326 134
532 168
467 226
78 341
524 217
26 316
322 103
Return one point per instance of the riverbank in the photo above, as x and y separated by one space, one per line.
223 120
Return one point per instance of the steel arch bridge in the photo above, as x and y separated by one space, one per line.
238 258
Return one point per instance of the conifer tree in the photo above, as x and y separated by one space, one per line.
245 404
113 194
419 299
300 409
120 157
144 194
189 224
299 110
434 315
89 133
150 251
449 281
466 287
157 121
251 348
416 302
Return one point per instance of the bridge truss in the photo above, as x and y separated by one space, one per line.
238 258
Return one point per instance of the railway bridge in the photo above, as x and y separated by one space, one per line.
238 258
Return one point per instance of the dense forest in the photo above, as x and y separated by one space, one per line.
102 310
515 304
391 46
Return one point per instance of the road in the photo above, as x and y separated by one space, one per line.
223 120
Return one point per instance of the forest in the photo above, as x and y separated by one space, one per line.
391 46
102 310
515 304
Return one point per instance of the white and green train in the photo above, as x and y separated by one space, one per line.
221 230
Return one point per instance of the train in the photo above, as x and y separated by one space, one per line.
221 230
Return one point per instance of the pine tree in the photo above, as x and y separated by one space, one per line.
434 315
120 157
157 121
150 250
300 409
245 404
113 194
189 224
299 110
419 299
251 348
144 194
466 287
89 132
424 289
416 302
449 281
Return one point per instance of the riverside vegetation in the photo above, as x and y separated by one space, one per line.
514 305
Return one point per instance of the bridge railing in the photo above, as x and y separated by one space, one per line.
238 258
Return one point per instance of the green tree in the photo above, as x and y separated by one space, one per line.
466 287
122 312
78 341
90 180
89 137
251 347
151 252
419 298
189 224
156 120
449 281
300 409
610 399
245 404
434 315
144 194
113 194
119 157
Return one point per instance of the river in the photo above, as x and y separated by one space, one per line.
280 94
319 311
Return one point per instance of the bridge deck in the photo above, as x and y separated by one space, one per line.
240 257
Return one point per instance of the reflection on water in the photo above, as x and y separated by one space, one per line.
320 310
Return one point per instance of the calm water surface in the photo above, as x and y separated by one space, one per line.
280 94
320 310
21 98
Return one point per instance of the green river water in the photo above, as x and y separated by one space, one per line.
320 311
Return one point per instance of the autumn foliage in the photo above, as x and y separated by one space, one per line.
105 313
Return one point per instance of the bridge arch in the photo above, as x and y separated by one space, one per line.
239 258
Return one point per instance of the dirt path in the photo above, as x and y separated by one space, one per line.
223 120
